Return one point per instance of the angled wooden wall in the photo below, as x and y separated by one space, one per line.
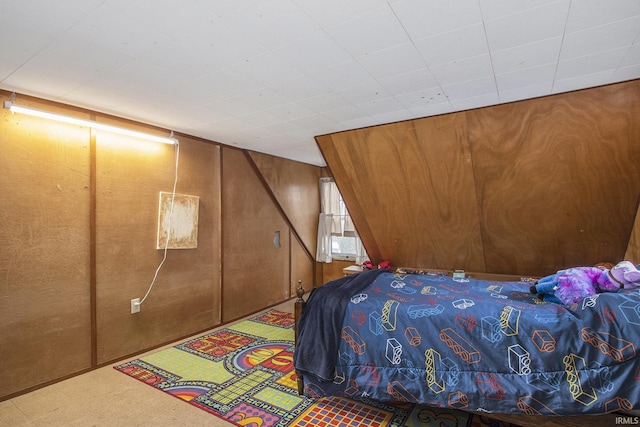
522 188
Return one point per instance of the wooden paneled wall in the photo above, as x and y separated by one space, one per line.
523 188
633 249
78 226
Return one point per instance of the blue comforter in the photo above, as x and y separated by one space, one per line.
320 324
471 344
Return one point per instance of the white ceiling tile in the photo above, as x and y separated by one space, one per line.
315 124
267 69
274 23
141 78
529 26
453 45
425 18
527 77
357 123
77 60
392 116
463 70
300 87
84 96
364 92
259 118
220 44
65 15
422 97
169 17
288 127
494 9
235 106
432 109
596 63
344 114
392 61
632 57
219 84
265 98
582 81
526 56
526 92
329 12
324 102
591 13
470 89
409 82
601 38
116 30
173 55
369 32
629 72
38 33
30 82
312 51
377 107
342 75
476 101
291 111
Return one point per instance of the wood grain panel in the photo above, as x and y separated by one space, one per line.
523 188
44 230
633 248
557 178
296 187
410 189
256 273
333 270
185 297
302 267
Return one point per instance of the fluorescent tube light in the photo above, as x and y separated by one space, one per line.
87 123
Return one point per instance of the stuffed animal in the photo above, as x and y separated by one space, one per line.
572 285
385 265
368 265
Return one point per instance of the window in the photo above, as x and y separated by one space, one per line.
337 237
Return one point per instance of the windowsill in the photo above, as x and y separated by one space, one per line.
351 258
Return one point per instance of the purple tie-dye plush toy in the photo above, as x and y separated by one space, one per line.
572 285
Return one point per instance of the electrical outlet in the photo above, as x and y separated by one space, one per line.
135 305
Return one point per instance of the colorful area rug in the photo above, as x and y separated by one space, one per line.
244 374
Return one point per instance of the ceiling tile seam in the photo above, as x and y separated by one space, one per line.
486 39
52 41
426 64
564 31
636 41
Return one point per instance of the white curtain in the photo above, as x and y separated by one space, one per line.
361 253
334 220
323 251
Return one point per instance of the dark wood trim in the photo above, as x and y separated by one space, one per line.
92 247
221 230
297 312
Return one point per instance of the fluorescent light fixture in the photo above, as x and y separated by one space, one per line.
87 123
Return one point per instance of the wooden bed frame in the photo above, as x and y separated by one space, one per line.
522 420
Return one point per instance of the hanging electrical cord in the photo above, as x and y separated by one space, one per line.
166 243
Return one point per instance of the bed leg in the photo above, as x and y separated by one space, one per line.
298 309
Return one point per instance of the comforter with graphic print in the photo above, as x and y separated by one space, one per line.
482 346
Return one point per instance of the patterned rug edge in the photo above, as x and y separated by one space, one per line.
387 414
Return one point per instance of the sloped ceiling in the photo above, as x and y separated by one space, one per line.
526 188
268 76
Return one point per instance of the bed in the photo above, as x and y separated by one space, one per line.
471 344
